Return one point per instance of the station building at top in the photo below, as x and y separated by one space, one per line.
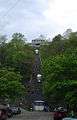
41 40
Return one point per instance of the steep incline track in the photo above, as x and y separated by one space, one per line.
35 92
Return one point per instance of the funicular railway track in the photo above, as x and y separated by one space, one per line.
35 87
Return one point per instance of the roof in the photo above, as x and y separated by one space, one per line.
39 101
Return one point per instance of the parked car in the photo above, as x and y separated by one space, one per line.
59 113
3 112
69 118
71 115
16 110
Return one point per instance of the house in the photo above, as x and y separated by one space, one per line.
41 40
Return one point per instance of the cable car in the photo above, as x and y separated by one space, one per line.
36 51
38 105
39 78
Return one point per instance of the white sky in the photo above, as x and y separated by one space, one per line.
62 12
35 17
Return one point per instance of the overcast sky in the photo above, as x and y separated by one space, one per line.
35 17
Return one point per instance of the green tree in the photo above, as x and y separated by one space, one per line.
10 84
3 40
60 78
57 38
18 37
19 57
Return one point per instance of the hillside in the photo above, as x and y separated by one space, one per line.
16 61
59 69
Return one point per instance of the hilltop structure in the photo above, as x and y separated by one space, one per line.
41 40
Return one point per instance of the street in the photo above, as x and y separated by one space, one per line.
33 116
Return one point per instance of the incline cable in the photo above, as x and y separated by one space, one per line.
7 13
10 9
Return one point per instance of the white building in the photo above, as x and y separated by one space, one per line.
39 41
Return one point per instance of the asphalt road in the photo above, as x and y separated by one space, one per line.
33 116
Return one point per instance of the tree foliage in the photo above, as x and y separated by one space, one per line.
10 84
59 69
16 60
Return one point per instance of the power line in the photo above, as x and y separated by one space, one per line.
8 11
12 7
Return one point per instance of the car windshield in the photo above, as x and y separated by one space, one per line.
39 103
